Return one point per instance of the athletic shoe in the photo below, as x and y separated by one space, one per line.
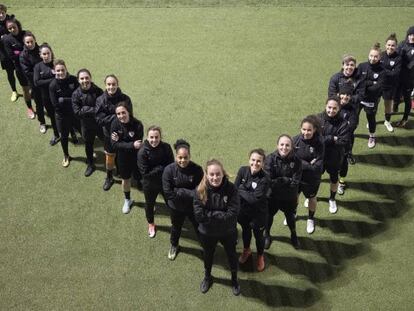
108 183
173 252
267 242
341 188
367 125
66 161
42 128
310 226
371 142
401 124
245 255
151 230
31 114
351 159
54 140
235 287
306 203
388 126
127 206
95 156
260 265
14 96
294 240
285 220
206 283
333 208
89 170
75 139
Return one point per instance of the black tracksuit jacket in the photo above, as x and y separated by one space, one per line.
372 78
152 161
285 176
179 183
60 92
13 46
392 65
84 105
334 150
407 68
253 191
28 59
105 107
218 216
307 150
349 113
3 33
43 76
128 133
339 79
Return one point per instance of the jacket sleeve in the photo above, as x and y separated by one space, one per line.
142 161
343 134
103 118
26 68
238 179
233 208
77 104
37 79
52 95
200 213
254 196
333 86
168 184
119 144
297 175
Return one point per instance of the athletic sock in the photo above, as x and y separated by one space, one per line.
127 195
388 117
332 196
29 104
109 174
311 214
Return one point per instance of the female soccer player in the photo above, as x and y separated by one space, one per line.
13 45
84 108
60 92
372 76
310 149
105 114
335 135
43 75
126 138
179 180
253 184
216 207
285 171
153 157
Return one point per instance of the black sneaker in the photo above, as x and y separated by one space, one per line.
351 159
294 241
267 241
54 140
89 170
173 252
75 139
206 284
108 184
235 287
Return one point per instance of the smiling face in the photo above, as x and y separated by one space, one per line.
122 114
345 98
60 72
215 175
332 108
84 80
12 28
307 130
374 57
390 47
46 55
256 163
154 138
182 157
29 42
111 85
284 146
3 15
410 38
348 68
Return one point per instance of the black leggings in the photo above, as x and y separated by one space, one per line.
288 208
247 235
151 193
65 125
37 97
209 244
11 78
44 93
407 102
177 221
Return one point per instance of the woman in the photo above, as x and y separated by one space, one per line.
253 184
105 114
391 61
372 76
179 180
60 92
285 171
153 157
5 61
43 75
335 135
216 207
127 133
84 108
28 58
13 45
310 149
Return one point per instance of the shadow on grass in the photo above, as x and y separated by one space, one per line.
385 160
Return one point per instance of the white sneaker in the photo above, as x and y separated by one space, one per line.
127 206
367 126
332 207
285 221
388 126
310 226
371 142
42 128
341 189
306 203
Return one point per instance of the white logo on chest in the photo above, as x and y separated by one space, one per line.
392 63
375 75
254 185
131 134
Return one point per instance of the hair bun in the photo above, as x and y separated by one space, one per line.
181 143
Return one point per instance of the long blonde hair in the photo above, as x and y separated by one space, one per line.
202 186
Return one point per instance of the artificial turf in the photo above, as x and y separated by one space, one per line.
228 78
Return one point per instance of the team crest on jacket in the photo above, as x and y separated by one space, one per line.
190 178
254 185
392 63
375 75
292 164
131 133
72 85
311 149
412 52
225 199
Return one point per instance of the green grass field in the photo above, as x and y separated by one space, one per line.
228 77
